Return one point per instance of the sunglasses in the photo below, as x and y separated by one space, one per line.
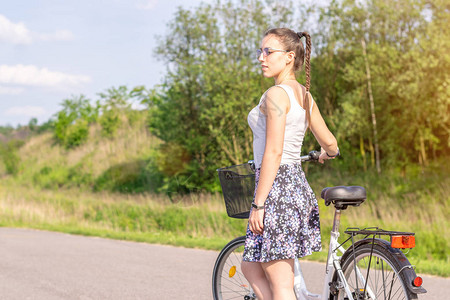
266 51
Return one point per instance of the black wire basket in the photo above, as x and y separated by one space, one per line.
238 186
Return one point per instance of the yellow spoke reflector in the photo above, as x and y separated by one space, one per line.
232 271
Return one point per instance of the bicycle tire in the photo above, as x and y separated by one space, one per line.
384 280
228 282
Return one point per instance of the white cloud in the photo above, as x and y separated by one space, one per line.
14 33
5 90
30 75
27 111
147 4
19 34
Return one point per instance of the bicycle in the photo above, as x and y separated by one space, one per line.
371 268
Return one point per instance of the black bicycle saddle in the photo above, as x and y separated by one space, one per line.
342 196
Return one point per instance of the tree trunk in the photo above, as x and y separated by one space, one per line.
363 152
422 150
372 107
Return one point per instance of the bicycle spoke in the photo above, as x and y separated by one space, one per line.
233 281
230 283
235 261
384 285
388 285
391 286
238 260
237 297
378 274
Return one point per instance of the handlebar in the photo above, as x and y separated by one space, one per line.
311 156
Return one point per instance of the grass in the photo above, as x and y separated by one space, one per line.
46 164
151 217
197 221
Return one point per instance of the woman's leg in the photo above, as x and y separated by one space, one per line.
257 278
281 277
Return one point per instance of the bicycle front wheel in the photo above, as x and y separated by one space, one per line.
381 271
228 281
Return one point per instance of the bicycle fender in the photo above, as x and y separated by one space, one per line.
406 269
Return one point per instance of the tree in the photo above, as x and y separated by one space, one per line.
200 110
116 107
213 81
10 156
398 34
71 125
33 124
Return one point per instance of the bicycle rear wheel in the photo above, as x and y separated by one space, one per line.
381 271
228 282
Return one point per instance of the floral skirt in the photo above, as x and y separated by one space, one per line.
291 219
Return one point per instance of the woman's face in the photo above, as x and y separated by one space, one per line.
274 63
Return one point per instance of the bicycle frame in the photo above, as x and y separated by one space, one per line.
335 281
333 263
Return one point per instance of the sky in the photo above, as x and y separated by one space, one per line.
51 50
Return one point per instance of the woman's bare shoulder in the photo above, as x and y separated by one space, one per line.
276 99
278 93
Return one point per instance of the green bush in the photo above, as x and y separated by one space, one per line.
125 178
76 134
10 156
60 176
109 122
51 177
71 126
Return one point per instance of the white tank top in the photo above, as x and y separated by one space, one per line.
294 131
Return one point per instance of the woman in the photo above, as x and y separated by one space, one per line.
284 220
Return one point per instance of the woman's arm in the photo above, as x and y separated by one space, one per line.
323 135
275 107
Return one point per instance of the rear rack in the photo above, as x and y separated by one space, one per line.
405 241
375 231
398 239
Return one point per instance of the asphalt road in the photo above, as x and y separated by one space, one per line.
48 265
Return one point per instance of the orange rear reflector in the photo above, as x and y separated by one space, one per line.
417 281
403 241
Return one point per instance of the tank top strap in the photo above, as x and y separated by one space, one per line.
289 91
291 96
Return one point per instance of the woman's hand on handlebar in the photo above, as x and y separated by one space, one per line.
324 156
